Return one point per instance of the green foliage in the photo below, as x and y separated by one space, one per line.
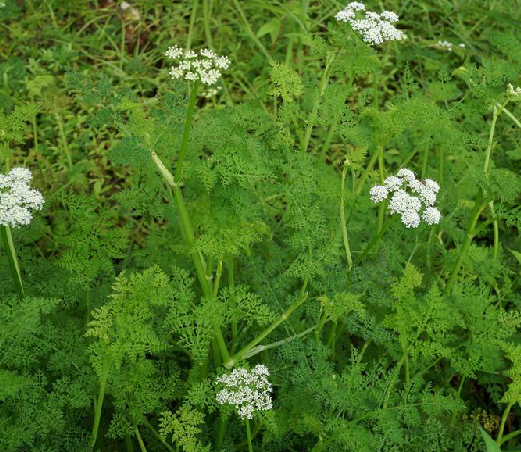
141 289
183 427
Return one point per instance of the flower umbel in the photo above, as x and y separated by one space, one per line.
408 206
514 93
17 199
375 28
249 391
204 66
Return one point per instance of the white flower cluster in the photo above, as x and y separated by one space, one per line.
210 92
375 28
17 198
514 92
204 66
249 391
406 205
448 45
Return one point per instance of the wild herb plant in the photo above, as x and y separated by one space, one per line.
231 274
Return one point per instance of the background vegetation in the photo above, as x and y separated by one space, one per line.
416 347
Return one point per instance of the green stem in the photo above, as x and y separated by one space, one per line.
367 170
188 233
504 418
206 19
87 303
512 117
496 231
193 15
381 170
186 131
331 339
490 139
322 321
7 239
406 365
343 221
252 35
316 104
441 168
218 278
231 285
158 436
220 433
478 207
377 238
99 404
139 439
128 443
261 348
460 387
187 226
329 136
424 163
510 436
239 356
64 139
248 435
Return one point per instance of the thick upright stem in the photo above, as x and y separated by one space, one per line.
367 170
206 18
99 404
343 221
381 171
139 439
186 225
248 435
186 132
478 207
503 421
7 239
316 104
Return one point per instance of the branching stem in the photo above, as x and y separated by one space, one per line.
240 355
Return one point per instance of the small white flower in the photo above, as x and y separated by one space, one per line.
406 174
431 215
445 44
391 16
222 62
378 193
17 199
515 93
248 391
433 185
207 53
393 183
212 92
410 219
402 202
174 52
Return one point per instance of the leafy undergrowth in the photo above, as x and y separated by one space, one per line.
316 247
